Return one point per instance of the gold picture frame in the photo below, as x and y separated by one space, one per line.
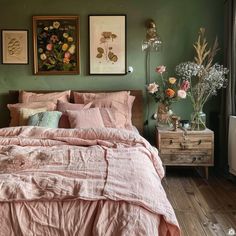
56 45
15 49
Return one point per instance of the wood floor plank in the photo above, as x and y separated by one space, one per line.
223 194
181 201
225 221
190 224
213 203
206 219
203 208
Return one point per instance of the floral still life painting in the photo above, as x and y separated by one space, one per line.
107 44
203 76
56 45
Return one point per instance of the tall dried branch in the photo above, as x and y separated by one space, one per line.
213 52
204 56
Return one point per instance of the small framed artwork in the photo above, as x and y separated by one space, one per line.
107 44
15 49
56 45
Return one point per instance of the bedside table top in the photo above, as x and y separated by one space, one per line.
179 130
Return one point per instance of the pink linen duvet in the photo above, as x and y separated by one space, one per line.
101 182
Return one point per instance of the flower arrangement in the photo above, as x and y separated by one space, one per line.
167 90
56 46
202 78
165 93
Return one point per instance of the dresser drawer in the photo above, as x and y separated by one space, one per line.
193 148
189 141
186 159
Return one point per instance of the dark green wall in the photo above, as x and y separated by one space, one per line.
178 23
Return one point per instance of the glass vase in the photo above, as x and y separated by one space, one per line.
164 114
198 120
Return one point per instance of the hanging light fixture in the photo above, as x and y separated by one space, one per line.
153 41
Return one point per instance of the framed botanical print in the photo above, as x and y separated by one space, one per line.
15 49
107 45
56 45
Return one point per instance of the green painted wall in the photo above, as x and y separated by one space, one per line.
178 23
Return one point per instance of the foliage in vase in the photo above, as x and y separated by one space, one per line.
202 75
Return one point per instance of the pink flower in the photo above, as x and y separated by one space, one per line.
67 55
54 38
185 85
182 93
49 47
152 88
160 69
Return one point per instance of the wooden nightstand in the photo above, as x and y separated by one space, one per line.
186 148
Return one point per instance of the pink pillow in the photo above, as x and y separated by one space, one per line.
42 97
63 107
112 118
88 118
121 101
119 110
15 109
121 96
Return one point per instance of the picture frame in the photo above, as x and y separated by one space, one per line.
107 44
56 45
15 48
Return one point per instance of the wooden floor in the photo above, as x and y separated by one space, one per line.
202 207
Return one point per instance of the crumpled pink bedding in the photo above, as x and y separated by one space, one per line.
81 182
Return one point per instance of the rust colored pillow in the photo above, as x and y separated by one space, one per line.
63 107
26 97
15 109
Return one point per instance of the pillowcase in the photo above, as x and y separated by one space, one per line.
121 101
64 106
122 114
49 119
120 96
25 113
112 118
43 97
88 118
15 109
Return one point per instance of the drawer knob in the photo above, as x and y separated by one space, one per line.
194 159
199 142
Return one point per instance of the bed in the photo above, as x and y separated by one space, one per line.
82 181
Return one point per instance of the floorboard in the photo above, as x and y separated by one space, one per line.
203 207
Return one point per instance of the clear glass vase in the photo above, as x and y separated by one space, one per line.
164 114
198 120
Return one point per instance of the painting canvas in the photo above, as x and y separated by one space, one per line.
56 44
15 47
107 44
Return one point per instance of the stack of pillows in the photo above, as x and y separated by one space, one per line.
54 110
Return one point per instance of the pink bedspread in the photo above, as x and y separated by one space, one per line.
104 166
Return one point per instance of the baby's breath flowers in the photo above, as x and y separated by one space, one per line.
202 78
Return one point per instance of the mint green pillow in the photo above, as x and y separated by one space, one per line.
49 119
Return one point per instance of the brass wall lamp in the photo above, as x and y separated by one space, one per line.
152 41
